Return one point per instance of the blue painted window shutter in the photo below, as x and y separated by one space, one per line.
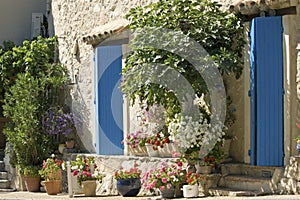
109 102
266 86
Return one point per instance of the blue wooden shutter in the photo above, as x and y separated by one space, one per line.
109 103
266 91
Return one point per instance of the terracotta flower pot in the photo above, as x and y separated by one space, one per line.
32 183
53 187
70 144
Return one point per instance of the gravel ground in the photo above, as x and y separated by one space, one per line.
42 196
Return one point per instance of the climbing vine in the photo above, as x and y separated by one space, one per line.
219 32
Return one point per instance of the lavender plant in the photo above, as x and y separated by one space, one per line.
57 122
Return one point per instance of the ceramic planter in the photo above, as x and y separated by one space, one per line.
129 187
151 151
190 191
167 193
89 188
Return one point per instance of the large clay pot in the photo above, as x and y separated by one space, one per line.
129 187
53 187
89 188
32 183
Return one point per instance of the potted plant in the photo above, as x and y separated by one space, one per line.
136 143
128 181
85 169
298 141
52 173
164 178
57 122
32 178
191 189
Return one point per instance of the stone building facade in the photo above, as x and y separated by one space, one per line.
74 20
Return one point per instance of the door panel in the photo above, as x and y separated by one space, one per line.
266 91
109 103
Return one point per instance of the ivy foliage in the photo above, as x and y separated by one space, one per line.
219 32
30 77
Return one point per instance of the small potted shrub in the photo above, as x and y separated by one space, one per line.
85 169
52 173
191 189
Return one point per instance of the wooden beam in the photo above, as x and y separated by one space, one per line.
278 12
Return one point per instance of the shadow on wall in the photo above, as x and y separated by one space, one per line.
81 99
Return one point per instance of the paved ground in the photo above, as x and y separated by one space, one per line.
42 196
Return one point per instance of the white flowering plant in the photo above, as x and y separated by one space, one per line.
195 137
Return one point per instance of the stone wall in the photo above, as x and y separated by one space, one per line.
290 181
72 20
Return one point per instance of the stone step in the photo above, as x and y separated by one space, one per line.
4 184
3 175
8 190
250 170
243 182
222 191
2 166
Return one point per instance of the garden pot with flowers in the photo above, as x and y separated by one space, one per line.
52 173
192 188
136 143
128 181
85 169
164 178
60 125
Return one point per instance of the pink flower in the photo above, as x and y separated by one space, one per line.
162 188
157 175
164 180
75 172
169 186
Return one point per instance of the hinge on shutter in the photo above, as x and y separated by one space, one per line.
249 152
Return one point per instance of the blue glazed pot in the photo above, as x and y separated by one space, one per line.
298 148
129 187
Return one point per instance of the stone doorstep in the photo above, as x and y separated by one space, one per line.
243 182
246 169
3 175
4 184
221 191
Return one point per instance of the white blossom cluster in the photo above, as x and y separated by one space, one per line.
190 133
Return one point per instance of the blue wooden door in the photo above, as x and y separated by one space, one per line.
109 103
266 80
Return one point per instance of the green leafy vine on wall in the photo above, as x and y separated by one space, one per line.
219 32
